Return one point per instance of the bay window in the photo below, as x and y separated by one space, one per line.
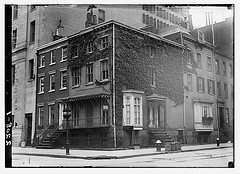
132 110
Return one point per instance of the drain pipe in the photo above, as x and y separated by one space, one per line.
114 93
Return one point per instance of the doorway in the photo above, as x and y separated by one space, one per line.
29 128
221 117
89 114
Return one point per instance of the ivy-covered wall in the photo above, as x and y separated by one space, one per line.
133 61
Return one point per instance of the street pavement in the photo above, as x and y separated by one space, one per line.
113 154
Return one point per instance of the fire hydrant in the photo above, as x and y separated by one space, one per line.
218 141
158 143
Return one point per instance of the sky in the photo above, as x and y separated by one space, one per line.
199 18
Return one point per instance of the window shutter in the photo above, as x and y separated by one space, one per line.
213 88
197 84
203 85
208 83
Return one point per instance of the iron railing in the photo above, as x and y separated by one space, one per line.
87 122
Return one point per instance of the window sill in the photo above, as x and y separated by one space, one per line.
201 92
211 94
62 89
88 84
63 60
75 86
209 70
105 80
52 64
41 67
30 80
52 91
41 93
153 86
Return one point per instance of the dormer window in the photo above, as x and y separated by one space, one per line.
200 36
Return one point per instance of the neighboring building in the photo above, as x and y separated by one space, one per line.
52 86
200 118
125 87
33 26
223 40
209 86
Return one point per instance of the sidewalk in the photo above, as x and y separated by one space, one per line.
116 154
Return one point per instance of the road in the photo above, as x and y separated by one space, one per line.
203 158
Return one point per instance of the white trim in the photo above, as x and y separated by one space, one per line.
52 72
41 74
133 91
63 69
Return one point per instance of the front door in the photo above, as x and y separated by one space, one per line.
221 117
29 128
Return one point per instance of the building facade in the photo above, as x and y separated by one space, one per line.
224 57
34 26
122 87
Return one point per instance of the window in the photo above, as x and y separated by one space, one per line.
63 78
147 19
104 42
41 85
209 63
200 36
211 87
219 89
53 57
189 82
52 82
199 60
76 76
226 90
75 51
15 11
32 31
105 115
231 70
89 47
232 91
104 69
152 76
189 61
136 110
132 110
64 54
152 52
51 114
14 38
206 111
101 16
224 68
227 115
128 110
13 74
31 68
42 61
200 85
217 67
89 73
143 18
40 115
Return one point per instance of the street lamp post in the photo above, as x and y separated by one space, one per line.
67 115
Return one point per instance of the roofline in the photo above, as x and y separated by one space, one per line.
51 43
153 35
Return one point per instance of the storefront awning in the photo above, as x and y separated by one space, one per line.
88 94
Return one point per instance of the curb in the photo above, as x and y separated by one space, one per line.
101 157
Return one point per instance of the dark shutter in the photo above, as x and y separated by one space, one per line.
197 83
208 83
203 84
213 87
